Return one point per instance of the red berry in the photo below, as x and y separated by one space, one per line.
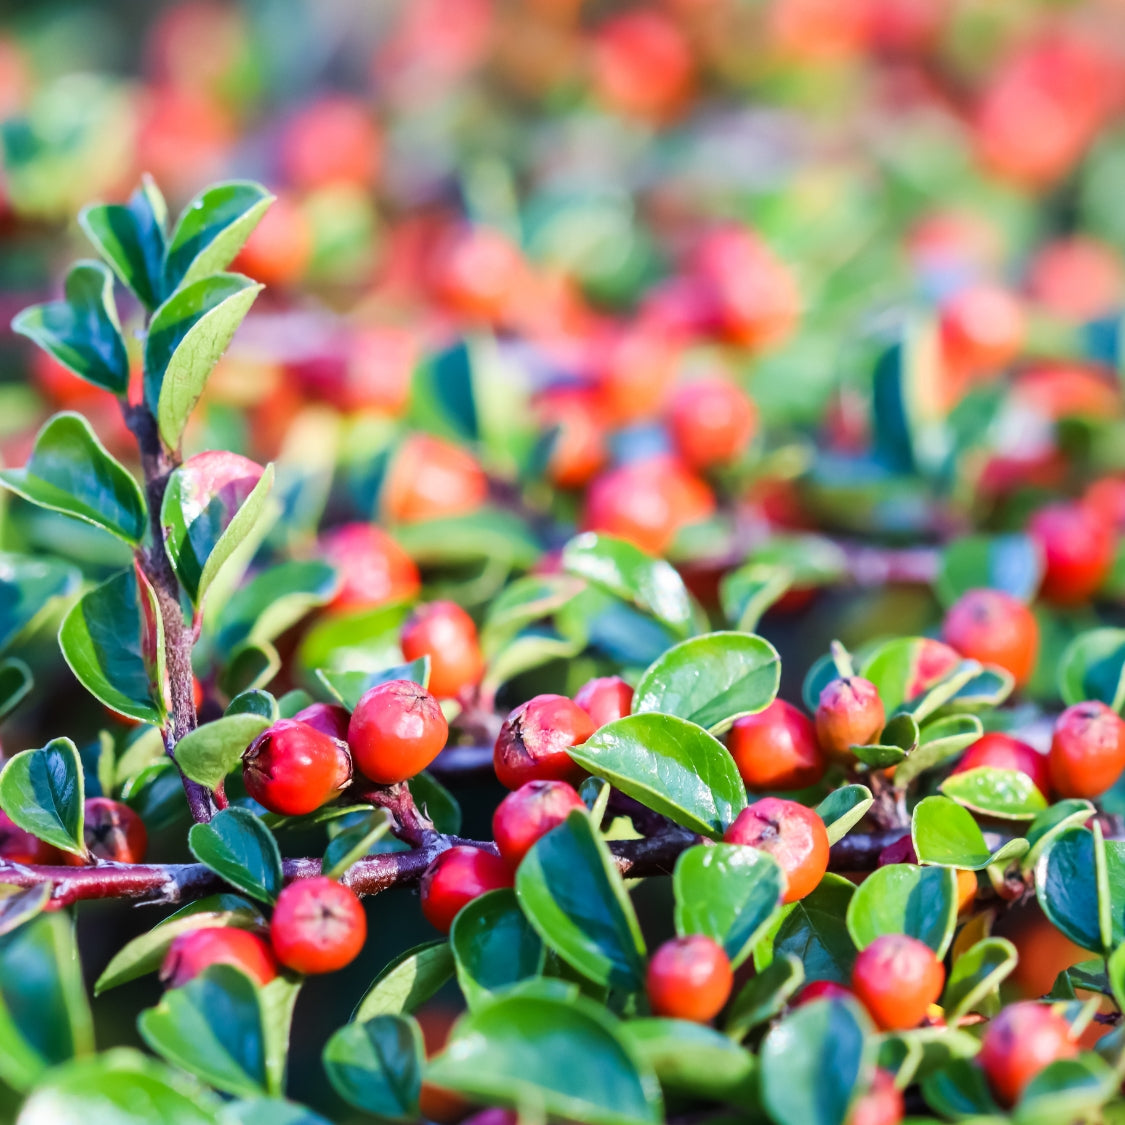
793 834
689 978
994 628
777 748
279 249
113 831
822 990
18 846
528 814
292 768
578 448
1077 552
1002 751
456 877
711 422
477 273
1087 751
849 713
605 699
897 978
534 740
318 926
982 329
1022 1040
880 1104
191 953
396 731
429 478
331 141
328 718
445 633
642 64
373 569
933 663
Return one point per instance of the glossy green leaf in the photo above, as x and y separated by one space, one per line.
208 753
254 702
814 930
651 585
903 898
28 589
1093 667
131 238
212 1027
237 846
249 667
211 231
525 1051
812 1061
960 1091
711 680
15 684
1004 794
186 337
43 791
1068 813
570 890
273 601
493 945
377 1065
408 981
746 593
913 1055
113 640
843 809
70 471
946 835
728 892
1111 888
529 649
765 995
976 975
82 331
1067 1090
916 674
436 802
212 502
694 1060
1012 563
520 604
671 766
347 688
939 741
897 740
1066 885
353 843
18 905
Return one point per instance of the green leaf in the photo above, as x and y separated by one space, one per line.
1067 1090
18 905
1092 666
960 1090
913 674
353 843
711 680
278 1001
903 898
746 593
119 1087
976 975
436 802
843 809
15 684
1011 563
938 742
28 588
913 1055
131 238
765 995
1005 794
526 1051
113 640
43 792
651 585
270 1111
82 331
1050 822
671 766
1066 885
348 688
254 702
239 848
494 534
695 1060
815 932
946 835
493 945
529 649
897 740
44 1014
572 893
186 337
520 604
212 1028
70 471
273 601
146 952
377 1065
249 668
812 1061
408 981
212 502
211 231
208 753
728 892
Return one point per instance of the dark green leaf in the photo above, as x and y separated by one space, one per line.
1066 1090
270 1111
746 593
43 792
572 893
669 765
1066 884
1005 794
946 835
939 741
436 802
254 702
237 846
273 601
522 603
711 680
903 898
28 587
408 981
976 975
695 1060
815 932
347 688
353 843
493 945
19 905
765 995
15 684
1050 822
898 739
843 809
959 1090
376 1066
70 471
208 753
249 667
1093 667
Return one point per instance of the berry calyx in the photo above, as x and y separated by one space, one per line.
396 731
292 768
191 953
605 699
456 877
1022 1040
1087 750
445 633
1003 752
849 713
318 926
528 814
711 422
777 748
897 978
793 834
534 740
995 628
880 1104
113 831
1077 551
689 978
